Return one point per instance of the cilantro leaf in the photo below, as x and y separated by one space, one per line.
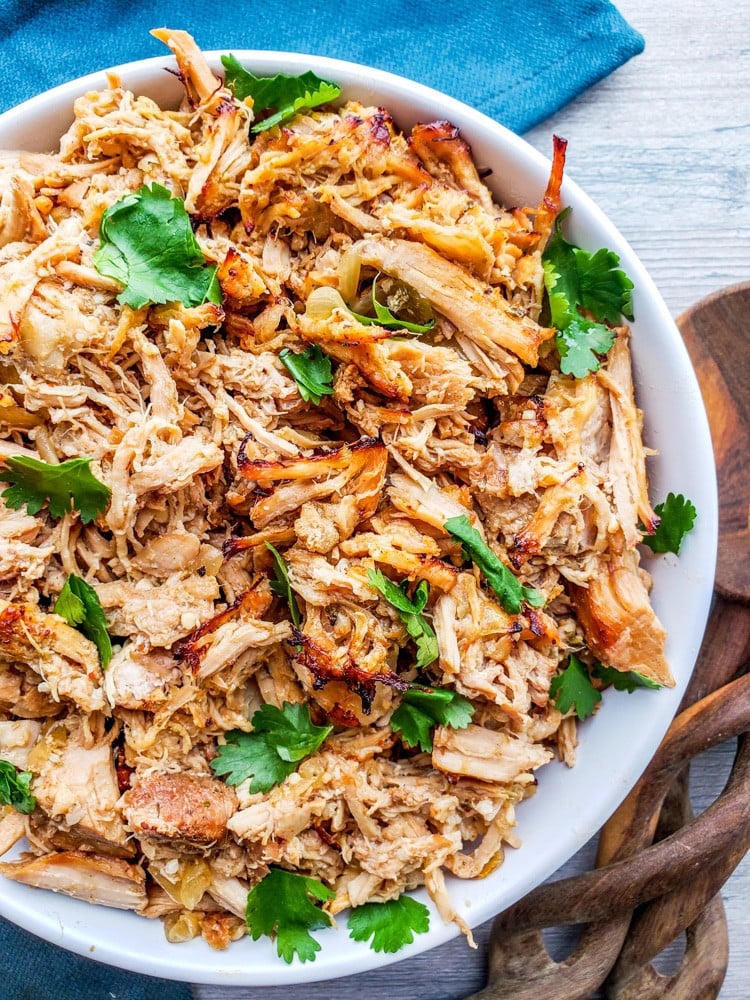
423 708
281 585
575 278
578 345
385 318
69 605
312 372
560 277
148 244
620 680
410 613
280 906
573 689
414 726
396 594
286 94
606 291
15 788
289 730
579 278
424 636
677 518
279 740
250 755
78 603
389 925
69 485
509 589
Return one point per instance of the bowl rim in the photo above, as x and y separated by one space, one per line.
80 934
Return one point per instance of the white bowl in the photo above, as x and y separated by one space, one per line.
618 743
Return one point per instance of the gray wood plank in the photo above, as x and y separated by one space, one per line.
663 146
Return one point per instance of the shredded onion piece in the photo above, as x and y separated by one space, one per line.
179 927
322 302
350 266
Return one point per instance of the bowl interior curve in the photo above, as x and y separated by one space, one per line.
617 744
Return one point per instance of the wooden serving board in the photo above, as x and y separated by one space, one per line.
717 335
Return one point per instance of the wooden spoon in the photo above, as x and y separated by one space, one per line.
683 871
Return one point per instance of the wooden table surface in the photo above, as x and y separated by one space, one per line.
663 146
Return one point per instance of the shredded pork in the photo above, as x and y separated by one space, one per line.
199 430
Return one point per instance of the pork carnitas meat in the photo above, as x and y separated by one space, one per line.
253 517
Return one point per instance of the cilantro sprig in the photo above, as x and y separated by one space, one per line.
391 925
287 95
677 517
148 244
576 280
410 611
311 370
15 788
510 591
280 739
284 906
573 689
281 585
71 485
78 603
623 680
385 318
423 708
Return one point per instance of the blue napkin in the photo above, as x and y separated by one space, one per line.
517 61
31 969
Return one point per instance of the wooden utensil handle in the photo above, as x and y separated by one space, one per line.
521 969
630 881
695 908
700 973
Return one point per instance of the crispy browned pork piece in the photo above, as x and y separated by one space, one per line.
106 881
191 809
65 661
618 621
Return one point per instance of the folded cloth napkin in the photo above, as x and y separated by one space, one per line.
31 969
517 61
